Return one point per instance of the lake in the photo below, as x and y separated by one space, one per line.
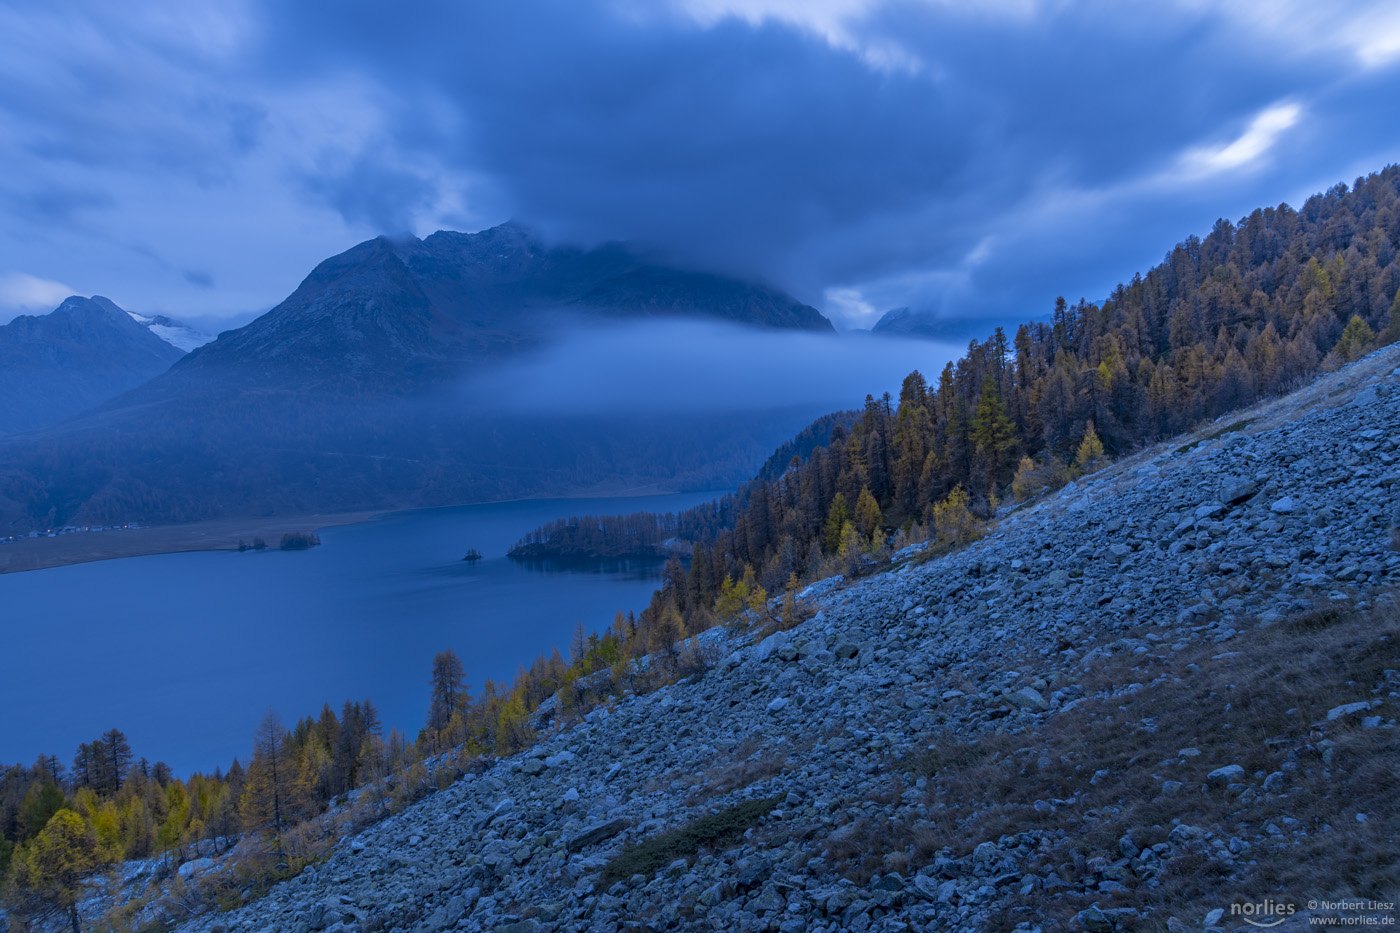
186 652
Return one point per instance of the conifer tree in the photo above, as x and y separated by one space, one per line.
1090 456
56 862
578 646
512 729
41 802
107 831
271 793
953 522
993 434
170 836
448 691
837 516
85 766
1392 329
1023 483
1356 341
867 517
114 752
735 597
757 596
849 551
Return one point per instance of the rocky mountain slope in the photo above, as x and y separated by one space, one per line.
84 352
1163 692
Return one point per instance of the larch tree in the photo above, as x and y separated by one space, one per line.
57 861
1356 341
993 434
1391 333
41 802
270 790
85 766
115 753
448 692
1090 456
836 519
578 644
953 522
171 834
867 517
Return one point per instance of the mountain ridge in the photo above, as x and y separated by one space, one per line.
84 352
350 394
906 322
421 308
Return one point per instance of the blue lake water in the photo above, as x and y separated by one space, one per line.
185 652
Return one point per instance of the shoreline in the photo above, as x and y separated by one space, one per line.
223 534
215 534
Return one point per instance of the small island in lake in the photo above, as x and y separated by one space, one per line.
473 555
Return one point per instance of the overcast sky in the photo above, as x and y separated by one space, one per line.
974 158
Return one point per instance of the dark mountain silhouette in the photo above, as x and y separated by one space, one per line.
348 395
81 354
906 322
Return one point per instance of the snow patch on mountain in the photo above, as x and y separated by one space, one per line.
177 334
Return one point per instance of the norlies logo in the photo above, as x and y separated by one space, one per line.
1267 913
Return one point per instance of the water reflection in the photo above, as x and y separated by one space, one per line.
624 568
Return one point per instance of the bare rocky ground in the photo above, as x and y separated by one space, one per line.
1164 698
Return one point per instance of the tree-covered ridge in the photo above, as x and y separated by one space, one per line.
1252 309
817 434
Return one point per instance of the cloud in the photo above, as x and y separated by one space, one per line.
50 204
757 136
1366 32
834 21
864 154
370 190
849 306
141 87
21 293
1260 136
674 366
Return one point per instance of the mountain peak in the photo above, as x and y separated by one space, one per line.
81 354
394 314
97 307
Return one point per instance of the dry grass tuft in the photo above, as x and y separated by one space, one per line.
739 773
711 831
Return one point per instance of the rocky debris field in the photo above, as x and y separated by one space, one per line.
1123 708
